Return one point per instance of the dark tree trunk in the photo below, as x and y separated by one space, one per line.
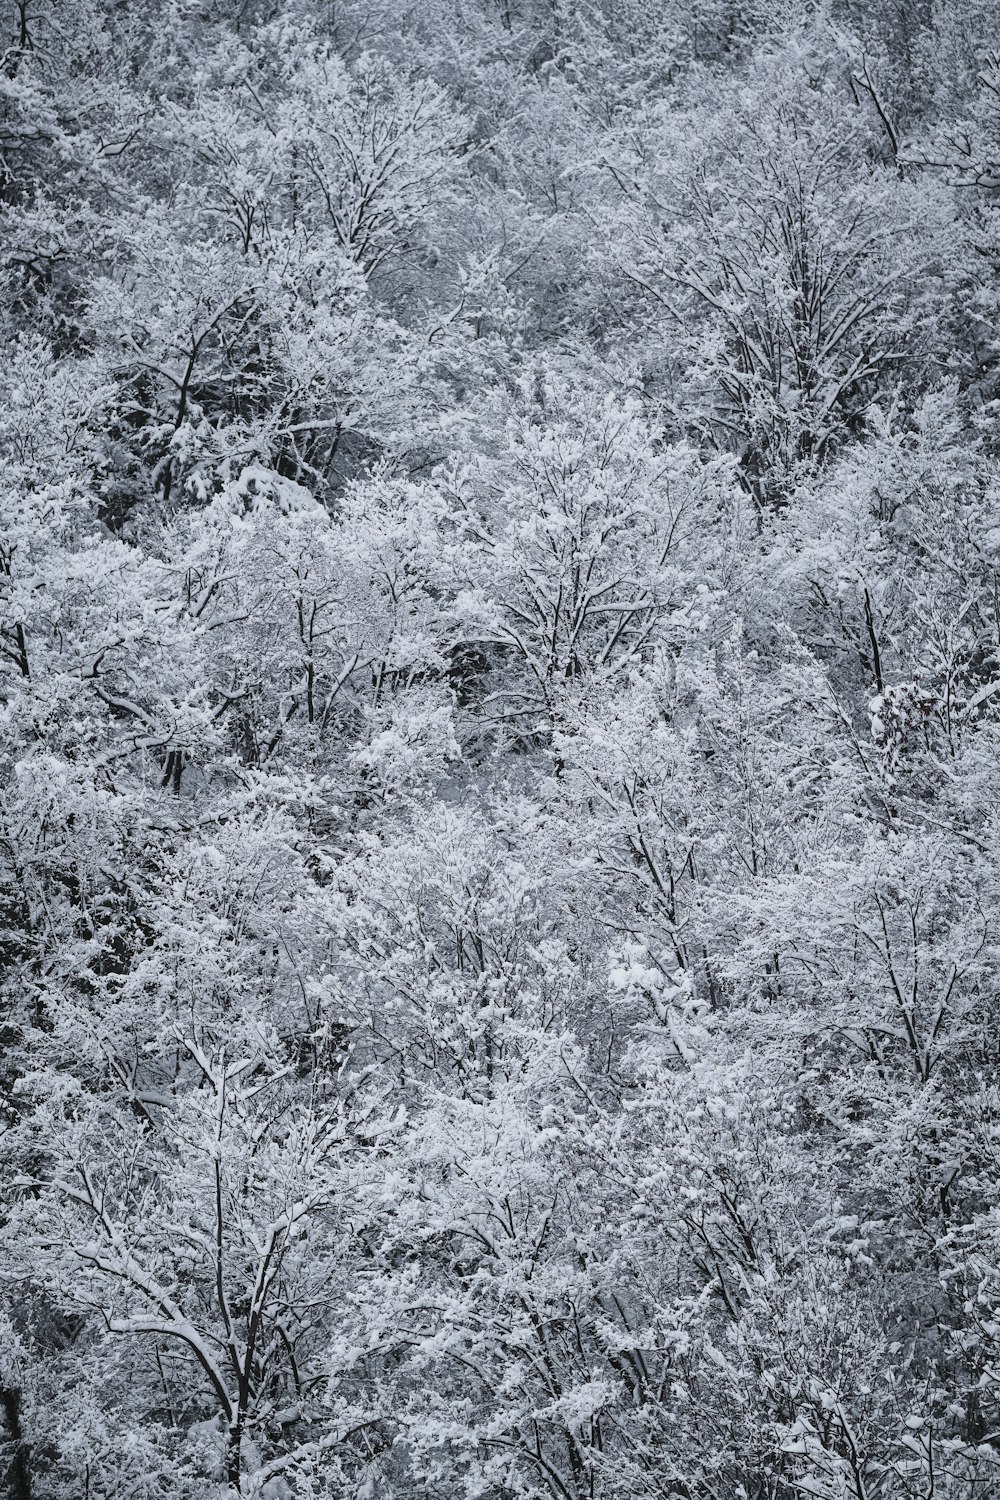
17 1480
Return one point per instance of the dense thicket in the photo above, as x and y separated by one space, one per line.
500 749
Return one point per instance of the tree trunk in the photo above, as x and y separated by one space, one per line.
17 1479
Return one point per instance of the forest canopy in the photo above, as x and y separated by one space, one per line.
500 750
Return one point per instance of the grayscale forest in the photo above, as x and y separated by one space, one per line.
500 749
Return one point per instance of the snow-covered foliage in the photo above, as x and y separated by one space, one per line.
499 750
